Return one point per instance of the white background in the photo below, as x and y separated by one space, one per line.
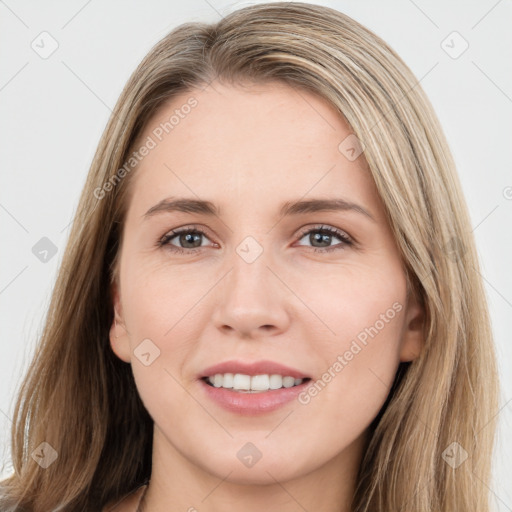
54 110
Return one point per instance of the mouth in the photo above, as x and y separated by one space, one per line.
244 394
245 383
252 387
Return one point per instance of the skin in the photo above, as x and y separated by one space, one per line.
248 150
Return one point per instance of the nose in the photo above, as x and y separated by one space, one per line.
252 300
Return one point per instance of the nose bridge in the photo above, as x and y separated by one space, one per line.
251 297
250 273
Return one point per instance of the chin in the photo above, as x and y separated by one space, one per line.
265 471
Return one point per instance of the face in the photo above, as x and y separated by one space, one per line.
321 292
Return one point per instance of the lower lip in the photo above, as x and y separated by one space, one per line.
252 403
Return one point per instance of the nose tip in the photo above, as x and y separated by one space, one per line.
250 301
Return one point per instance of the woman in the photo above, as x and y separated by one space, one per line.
270 295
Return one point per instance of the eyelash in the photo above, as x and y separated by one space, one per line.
346 240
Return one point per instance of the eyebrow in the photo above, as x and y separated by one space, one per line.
289 208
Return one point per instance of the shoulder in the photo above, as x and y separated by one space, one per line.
126 504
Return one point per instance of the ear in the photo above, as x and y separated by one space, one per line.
119 340
413 337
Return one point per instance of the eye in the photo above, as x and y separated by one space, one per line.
323 235
188 237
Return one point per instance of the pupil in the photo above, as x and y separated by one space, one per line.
322 238
189 238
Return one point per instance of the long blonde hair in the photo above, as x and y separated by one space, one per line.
82 400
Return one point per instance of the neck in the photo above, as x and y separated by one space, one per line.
178 484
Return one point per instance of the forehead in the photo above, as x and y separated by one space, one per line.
261 143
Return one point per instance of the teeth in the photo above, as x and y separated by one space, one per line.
241 382
288 382
254 384
260 383
228 380
275 382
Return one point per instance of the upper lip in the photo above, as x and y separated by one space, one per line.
253 368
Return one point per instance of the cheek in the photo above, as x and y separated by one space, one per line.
356 301
157 300
356 341
165 305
